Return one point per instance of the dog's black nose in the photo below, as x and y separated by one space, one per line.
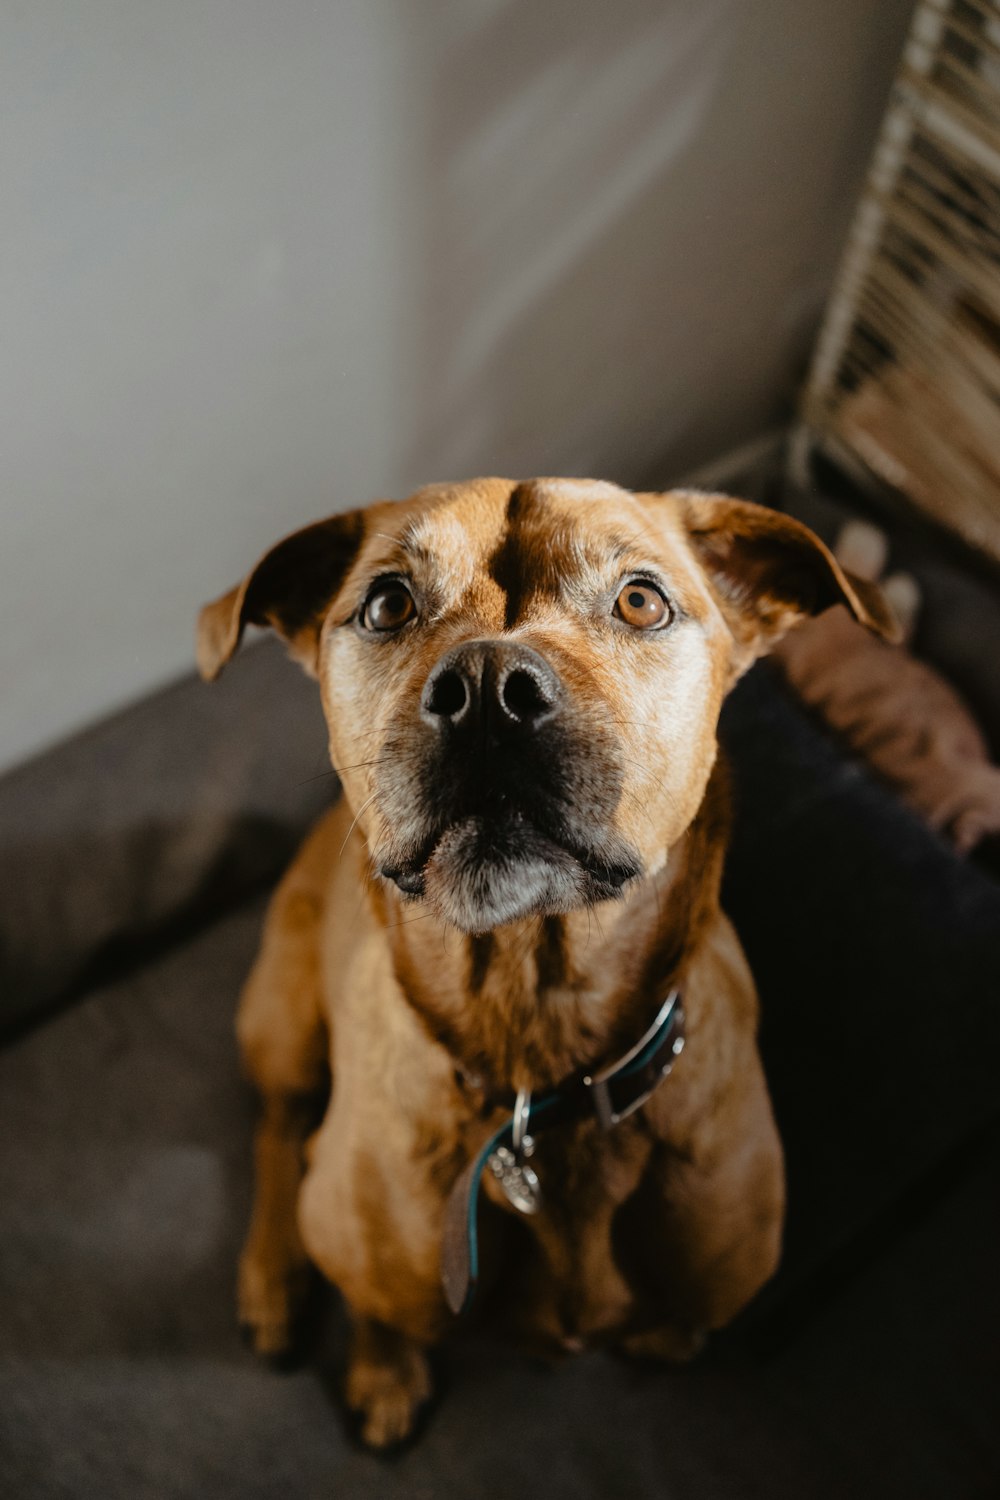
501 685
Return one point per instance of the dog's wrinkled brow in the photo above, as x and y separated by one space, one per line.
405 553
534 545
412 541
577 551
620 549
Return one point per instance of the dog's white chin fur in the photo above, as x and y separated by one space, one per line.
477 888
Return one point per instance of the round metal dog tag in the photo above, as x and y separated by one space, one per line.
519 1181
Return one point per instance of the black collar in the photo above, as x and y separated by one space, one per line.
611 1094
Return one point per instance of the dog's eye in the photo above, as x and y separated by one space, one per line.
642 606
388 606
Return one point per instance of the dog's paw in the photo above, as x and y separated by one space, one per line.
387 1395
269 1304
670 1343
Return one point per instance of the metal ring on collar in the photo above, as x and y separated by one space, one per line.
520 1140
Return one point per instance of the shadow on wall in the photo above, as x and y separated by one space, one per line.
590 169
554 138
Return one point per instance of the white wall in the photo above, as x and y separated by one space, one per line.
260 261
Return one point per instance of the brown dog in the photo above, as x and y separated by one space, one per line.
522 684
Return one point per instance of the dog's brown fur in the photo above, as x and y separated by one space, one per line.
651 1234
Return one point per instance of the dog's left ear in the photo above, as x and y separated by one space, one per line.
290 589
769 571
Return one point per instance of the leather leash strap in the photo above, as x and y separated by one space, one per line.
611 1094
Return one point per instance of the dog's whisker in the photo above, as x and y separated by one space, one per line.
369 875
656 780
407 921
635 723
377 760
375 851
354 823
320 776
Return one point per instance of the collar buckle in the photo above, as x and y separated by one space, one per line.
618 1090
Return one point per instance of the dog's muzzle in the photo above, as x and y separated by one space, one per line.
513 796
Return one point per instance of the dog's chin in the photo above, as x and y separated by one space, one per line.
480 875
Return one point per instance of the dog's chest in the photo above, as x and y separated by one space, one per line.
568 1282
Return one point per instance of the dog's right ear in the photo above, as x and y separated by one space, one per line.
290 589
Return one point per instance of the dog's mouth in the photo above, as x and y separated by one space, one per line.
482 872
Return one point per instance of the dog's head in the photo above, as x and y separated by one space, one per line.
522 681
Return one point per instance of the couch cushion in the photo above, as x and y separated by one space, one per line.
876 952
160 816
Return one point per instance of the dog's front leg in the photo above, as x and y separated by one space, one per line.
284 1041
388 1380
274 1269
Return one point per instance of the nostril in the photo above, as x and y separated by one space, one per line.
523 697
448 696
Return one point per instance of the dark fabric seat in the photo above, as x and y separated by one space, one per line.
870 1365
